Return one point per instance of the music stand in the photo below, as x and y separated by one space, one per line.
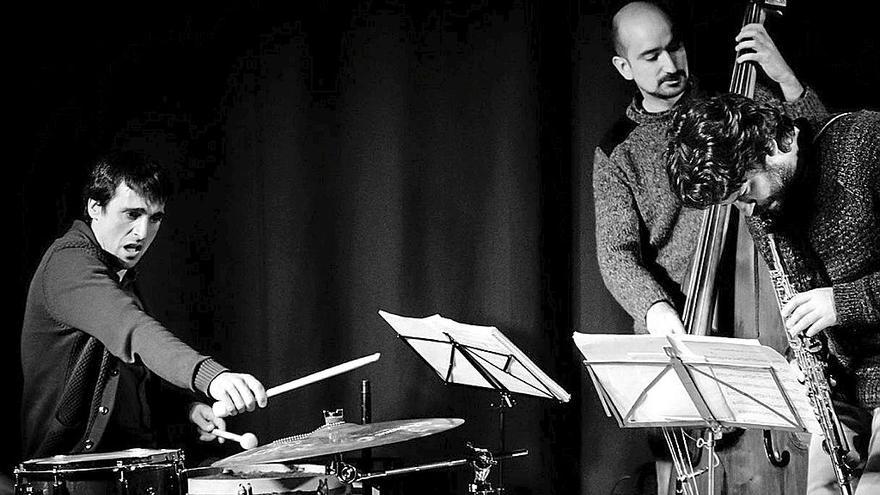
693 381
477 356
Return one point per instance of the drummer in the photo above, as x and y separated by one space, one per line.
88 346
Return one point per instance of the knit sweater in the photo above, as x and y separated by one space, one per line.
82 326
829 235
644 237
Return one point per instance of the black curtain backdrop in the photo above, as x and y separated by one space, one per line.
338 158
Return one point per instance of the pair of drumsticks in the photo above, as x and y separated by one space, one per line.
249 440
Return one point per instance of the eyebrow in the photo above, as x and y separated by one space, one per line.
652 51
143 211
674 42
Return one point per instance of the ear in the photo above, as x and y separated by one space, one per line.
94 208
790 139
622 66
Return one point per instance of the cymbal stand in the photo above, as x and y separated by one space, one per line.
506 401
480 460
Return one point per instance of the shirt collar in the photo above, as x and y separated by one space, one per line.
108 259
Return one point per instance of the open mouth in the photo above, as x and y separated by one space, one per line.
133 248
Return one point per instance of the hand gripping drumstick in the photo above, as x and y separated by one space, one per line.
247 441
220 409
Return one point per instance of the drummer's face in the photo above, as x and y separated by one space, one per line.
127 225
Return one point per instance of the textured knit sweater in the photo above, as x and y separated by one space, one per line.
82 327
644 237
829 235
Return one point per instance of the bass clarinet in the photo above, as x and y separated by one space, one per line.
807 351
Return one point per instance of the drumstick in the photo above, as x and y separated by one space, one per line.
220 408
247 441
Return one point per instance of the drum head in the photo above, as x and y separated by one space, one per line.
262 479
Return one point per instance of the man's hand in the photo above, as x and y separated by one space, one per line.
239 392
760 48
663 319
203 417
810 312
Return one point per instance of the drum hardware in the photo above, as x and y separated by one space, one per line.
138 471
263 479
366 417
479 459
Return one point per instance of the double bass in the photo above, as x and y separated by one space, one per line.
748 460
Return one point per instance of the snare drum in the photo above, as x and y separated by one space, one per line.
125 472
263 479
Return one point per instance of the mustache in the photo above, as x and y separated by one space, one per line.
675 76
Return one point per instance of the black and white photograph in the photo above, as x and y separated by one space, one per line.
422 247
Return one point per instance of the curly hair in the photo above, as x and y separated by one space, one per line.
714 142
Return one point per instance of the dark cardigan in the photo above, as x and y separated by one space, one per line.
80 324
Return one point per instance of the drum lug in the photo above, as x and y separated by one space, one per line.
58 486
122 483
25 489
245 490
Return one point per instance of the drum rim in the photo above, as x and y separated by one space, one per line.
122 459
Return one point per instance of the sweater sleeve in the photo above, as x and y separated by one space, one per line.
81 293
809 106
619 242
858 301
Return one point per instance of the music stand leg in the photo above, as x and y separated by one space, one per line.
505 402
713 434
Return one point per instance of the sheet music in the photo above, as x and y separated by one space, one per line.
627 366
733 377
764 394
430 338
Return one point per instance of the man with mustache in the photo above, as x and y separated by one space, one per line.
814 185
644 238
89 348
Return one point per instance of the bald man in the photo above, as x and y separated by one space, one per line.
644 238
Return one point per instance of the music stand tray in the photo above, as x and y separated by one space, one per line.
478 356
695 381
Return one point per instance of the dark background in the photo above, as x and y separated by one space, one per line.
337 158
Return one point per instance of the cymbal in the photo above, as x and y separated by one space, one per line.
336 438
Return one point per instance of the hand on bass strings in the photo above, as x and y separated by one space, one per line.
238 392
810 312
206 422
754 44
663 319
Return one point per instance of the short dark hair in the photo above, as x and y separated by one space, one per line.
138 171
714 141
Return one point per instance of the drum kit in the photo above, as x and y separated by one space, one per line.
270 468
